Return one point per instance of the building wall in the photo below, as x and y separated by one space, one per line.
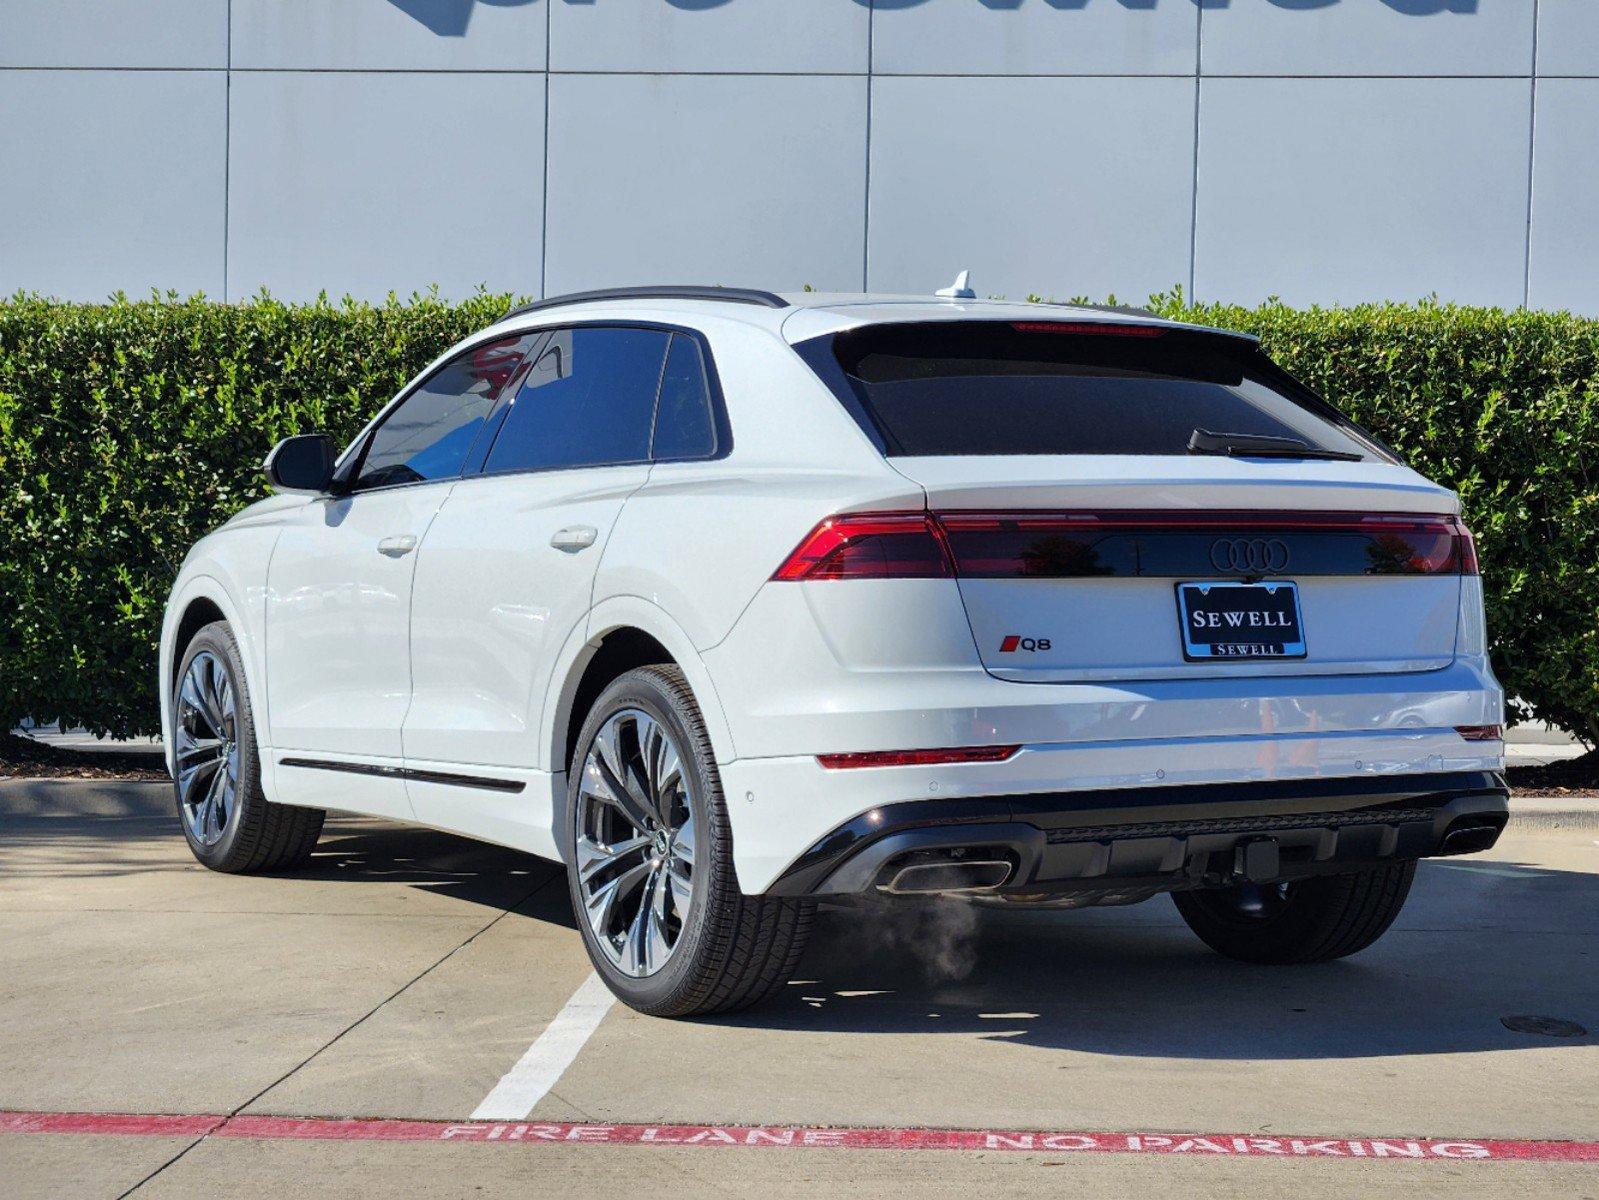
1320 150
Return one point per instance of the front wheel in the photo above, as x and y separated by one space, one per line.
228 822
1305 921
650 860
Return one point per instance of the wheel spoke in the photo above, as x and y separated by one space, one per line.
226 706
210 694
666 778
602 903
191 752
216 805
191 698
682 891
606 763
634 773
683 842
646 936
596 858
190 778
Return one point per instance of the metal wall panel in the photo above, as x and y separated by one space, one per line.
1029 182
1565 197
369 183
755 180
739 35
95 33
1367 37
1344 190
390 35
1568 37
112 180
1034 37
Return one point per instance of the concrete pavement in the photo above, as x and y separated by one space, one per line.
406 971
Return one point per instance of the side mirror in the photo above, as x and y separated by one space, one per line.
301 464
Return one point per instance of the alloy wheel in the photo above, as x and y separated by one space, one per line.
635 843
207 748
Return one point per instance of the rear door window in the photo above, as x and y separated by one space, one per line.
1064 387
588 400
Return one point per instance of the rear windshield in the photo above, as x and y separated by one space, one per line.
1063 387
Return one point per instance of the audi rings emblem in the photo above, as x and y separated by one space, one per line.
1249 556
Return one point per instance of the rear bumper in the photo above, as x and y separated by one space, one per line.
1125 843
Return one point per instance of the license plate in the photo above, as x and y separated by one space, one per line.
1240 620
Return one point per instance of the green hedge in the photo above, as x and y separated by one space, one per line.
128 429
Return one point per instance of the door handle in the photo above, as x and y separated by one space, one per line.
397 547
574 538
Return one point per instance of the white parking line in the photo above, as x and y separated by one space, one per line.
546 1060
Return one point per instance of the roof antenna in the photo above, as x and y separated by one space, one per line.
959 290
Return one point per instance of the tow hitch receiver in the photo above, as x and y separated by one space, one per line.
1257 860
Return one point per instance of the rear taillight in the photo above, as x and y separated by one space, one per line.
917 758
870 546
1061 545
1481 733
1468 550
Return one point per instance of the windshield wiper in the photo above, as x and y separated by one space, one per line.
1258 445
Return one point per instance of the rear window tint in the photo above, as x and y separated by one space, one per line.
1041 387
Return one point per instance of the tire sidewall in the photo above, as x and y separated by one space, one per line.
644 689
218 639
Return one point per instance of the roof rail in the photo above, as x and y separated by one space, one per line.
687 292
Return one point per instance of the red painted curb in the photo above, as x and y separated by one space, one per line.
796 1137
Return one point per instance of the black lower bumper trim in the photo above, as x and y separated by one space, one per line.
1163 837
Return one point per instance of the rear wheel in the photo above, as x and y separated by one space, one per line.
228 822
1305 921
650 860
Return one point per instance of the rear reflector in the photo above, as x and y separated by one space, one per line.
1481 733
1179 544
917 758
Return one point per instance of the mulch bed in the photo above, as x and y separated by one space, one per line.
1568 777
25 758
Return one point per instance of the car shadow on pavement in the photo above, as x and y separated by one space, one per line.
1478 941
353 850
145 839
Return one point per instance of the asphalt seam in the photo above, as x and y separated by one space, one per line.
350 1028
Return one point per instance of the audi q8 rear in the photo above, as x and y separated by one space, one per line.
1123 609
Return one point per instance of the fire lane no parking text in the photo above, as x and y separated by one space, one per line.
487 1133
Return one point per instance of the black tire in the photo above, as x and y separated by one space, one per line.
256 835
1308 921
732 950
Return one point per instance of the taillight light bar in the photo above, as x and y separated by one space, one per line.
976 544
917 758
892 545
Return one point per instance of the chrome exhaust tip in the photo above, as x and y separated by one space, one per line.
1470 837
951 876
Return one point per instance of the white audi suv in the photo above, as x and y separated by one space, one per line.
734 602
